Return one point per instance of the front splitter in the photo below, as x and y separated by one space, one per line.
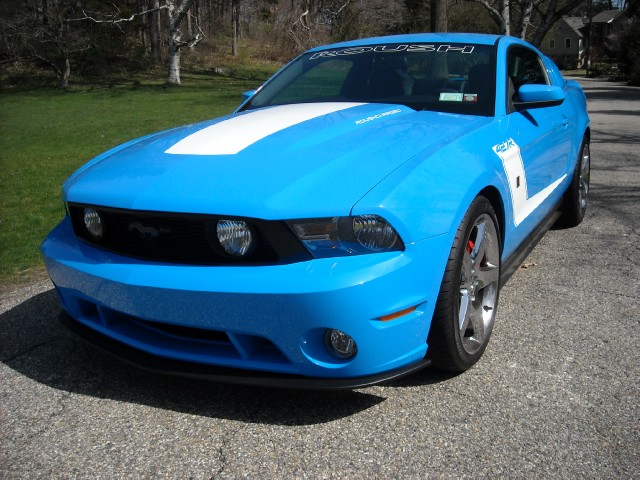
154 363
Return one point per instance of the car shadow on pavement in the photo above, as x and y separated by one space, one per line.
34 344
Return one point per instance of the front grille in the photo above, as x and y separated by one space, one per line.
188 343
184 238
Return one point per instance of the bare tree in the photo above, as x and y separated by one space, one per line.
550 12
515 17
311 22
40 31
176 12
499 12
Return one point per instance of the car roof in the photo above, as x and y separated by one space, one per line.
477 38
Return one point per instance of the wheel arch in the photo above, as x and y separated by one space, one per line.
586 137
492 194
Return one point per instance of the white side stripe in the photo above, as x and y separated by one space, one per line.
523 206
234 135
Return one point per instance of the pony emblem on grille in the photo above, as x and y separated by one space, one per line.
147 232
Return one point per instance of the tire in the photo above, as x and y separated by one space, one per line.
576 198
468 299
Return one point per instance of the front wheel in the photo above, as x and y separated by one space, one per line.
576 198
466 306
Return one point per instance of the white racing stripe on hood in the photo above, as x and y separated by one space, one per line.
234 135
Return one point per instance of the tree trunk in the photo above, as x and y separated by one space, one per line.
189 27
439 17
210 17
154 27
65 72
234 21
526 18
176 11
39 11
173 50
586 62
505 15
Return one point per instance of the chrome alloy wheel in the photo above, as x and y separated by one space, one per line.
583 181
480 276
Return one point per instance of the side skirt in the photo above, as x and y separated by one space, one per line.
511 264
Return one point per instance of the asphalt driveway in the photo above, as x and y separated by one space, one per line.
555 396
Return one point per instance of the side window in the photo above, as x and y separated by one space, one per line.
524 66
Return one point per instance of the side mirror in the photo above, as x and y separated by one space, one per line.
247 95
538 96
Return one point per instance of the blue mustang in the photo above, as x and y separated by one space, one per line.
352 222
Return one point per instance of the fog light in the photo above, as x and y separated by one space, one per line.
235 237
93 223
340 344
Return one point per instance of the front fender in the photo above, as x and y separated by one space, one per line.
429 195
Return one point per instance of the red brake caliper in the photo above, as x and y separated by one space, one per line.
470 246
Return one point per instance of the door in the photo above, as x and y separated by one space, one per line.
536 154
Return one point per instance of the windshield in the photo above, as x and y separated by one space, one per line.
454 78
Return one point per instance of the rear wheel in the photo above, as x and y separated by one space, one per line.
576 198
466 306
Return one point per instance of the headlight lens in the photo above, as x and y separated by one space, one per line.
93 223
374 233
235 237
341 236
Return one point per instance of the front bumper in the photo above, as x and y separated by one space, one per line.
239 376
253 323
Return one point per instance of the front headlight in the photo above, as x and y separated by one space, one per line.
374 233
341 236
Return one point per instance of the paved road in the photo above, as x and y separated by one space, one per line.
556 394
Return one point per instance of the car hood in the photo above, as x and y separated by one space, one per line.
285 161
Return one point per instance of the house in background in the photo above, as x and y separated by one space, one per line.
565 42
603 27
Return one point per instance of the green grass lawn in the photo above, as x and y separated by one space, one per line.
46 134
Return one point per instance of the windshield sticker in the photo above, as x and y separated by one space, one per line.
376 117
450 97
470 97
393 49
